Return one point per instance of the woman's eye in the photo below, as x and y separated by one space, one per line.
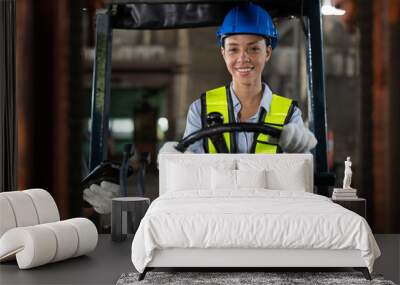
232 50
255 49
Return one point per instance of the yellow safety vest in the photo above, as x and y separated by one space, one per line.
219 100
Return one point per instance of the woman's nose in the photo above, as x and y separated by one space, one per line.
244 56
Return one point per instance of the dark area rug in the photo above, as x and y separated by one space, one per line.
273 278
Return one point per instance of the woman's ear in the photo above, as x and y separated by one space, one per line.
269 53
223 52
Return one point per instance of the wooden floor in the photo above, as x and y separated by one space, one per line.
110 260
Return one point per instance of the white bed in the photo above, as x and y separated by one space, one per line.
247 210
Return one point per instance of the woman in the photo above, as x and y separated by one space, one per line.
247 38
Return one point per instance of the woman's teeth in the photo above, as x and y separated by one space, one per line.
244 69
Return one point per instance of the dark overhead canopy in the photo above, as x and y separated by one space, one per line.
162 14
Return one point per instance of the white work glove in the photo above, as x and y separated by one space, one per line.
100 196
296 139
169 148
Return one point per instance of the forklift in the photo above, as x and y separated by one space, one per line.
176 14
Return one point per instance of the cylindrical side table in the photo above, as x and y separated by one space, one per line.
126 214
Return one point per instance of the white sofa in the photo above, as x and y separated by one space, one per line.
31 231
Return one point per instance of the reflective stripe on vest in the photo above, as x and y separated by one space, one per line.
280 109
216 100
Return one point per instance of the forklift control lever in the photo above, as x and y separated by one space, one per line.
217 119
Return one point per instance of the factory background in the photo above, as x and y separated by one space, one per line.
157 74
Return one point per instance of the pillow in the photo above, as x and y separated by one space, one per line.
283 172
183 178
223 179
251 178
295 180
193 172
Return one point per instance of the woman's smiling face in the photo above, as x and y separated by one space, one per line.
245 57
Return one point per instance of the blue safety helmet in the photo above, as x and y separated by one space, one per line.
248 18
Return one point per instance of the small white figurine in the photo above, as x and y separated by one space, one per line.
347 174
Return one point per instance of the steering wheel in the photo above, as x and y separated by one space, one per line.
216 128
215 131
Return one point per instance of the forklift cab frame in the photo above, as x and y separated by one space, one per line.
175 14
